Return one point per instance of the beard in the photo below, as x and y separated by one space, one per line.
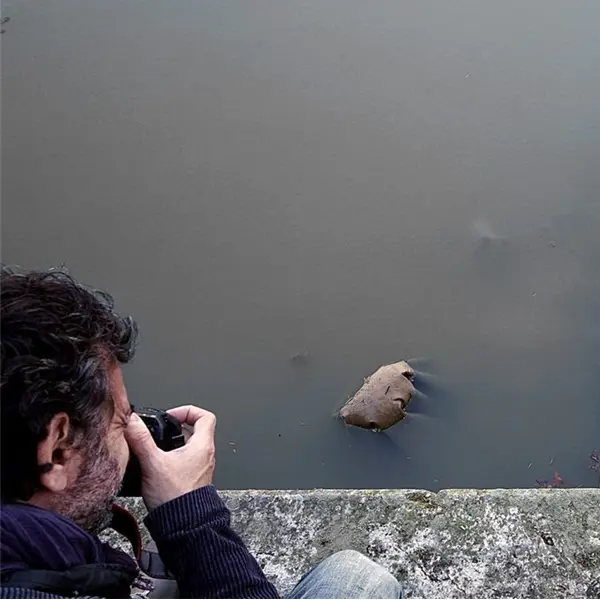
88 501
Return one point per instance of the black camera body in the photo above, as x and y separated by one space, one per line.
167 434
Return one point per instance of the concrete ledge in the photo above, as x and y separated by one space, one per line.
542 543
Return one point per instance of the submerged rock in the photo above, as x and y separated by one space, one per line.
382 400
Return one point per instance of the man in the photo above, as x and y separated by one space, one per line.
67 430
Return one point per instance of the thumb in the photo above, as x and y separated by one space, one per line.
139 438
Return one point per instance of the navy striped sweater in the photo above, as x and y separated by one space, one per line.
196 542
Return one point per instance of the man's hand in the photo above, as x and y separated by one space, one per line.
167 475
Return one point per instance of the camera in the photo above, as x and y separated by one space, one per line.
167 434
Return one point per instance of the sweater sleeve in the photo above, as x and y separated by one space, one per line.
196 543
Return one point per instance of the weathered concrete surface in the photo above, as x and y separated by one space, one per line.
542 543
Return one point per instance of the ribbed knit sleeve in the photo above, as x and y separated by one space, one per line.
196 543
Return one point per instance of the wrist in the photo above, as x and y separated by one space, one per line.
161 488
154 500
185 512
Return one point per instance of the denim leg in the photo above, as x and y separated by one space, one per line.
347 574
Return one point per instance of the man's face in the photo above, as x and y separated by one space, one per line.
116 442
101 463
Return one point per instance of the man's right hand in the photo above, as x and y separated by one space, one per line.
168 475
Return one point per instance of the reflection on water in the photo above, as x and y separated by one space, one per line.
350 184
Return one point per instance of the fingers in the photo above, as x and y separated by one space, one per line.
189 414
204 422
139 438
167 475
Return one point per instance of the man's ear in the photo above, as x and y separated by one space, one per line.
55 454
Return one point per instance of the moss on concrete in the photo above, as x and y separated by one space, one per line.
453 544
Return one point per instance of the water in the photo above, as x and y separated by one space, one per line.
351 183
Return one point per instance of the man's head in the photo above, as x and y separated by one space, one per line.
64 405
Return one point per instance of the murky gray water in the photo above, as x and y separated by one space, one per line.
363 182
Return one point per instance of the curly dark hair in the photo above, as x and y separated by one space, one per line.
59 340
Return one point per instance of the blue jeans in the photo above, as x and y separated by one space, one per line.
347 574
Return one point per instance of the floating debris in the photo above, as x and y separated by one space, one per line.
556 482
383 398
595 464
485 235
300 358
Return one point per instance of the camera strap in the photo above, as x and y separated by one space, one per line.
163 582
126 524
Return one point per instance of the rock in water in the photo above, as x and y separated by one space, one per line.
381 401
